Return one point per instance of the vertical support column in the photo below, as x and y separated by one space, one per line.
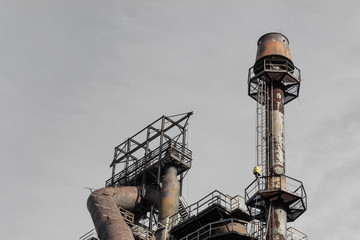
278 222
278 136
169 204
144 176
278 215
182 156
113 174
127 160
161 145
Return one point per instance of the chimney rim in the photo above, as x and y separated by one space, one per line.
276 33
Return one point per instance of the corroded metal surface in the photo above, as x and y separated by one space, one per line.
278 223
273 44
103 205
278 135
233 227
169 204
274 47
106 216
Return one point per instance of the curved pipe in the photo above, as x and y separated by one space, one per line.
103 205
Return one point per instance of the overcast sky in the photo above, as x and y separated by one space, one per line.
78 77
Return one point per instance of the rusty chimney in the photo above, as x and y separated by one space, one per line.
273 81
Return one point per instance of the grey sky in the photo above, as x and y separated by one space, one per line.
80 76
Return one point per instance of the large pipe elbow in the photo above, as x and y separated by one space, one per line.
103 205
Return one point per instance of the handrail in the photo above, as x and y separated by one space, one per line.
127 215
89 235
285 185
212 229
137 230
118 158
294 234
213 198
150 159
275 65
142 232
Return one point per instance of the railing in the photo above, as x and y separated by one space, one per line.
90 235
294 234
142 232
214 198
275 65
128 216
137 230
145 223
271 183
153 157
219 227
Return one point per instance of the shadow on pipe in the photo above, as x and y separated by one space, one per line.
103 205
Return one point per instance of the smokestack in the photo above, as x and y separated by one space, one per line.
273 82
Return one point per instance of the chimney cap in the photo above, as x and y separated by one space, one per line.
272 33
273 44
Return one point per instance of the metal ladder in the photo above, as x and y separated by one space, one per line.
261 129
262 141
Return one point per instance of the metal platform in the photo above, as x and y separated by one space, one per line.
213 207
228 229
286 190
294 234
142 156
282 71
148 166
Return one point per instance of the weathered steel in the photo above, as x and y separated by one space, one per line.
169 203
273 44
233 227
278 135
277 224
148 179
143 144
275 74
276 44
104 204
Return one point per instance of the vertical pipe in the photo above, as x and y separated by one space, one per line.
278 214
278 137
278 223
169 203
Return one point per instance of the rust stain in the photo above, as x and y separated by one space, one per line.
276 220
278 166
281 237
273 44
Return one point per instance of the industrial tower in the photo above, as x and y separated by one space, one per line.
273 198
